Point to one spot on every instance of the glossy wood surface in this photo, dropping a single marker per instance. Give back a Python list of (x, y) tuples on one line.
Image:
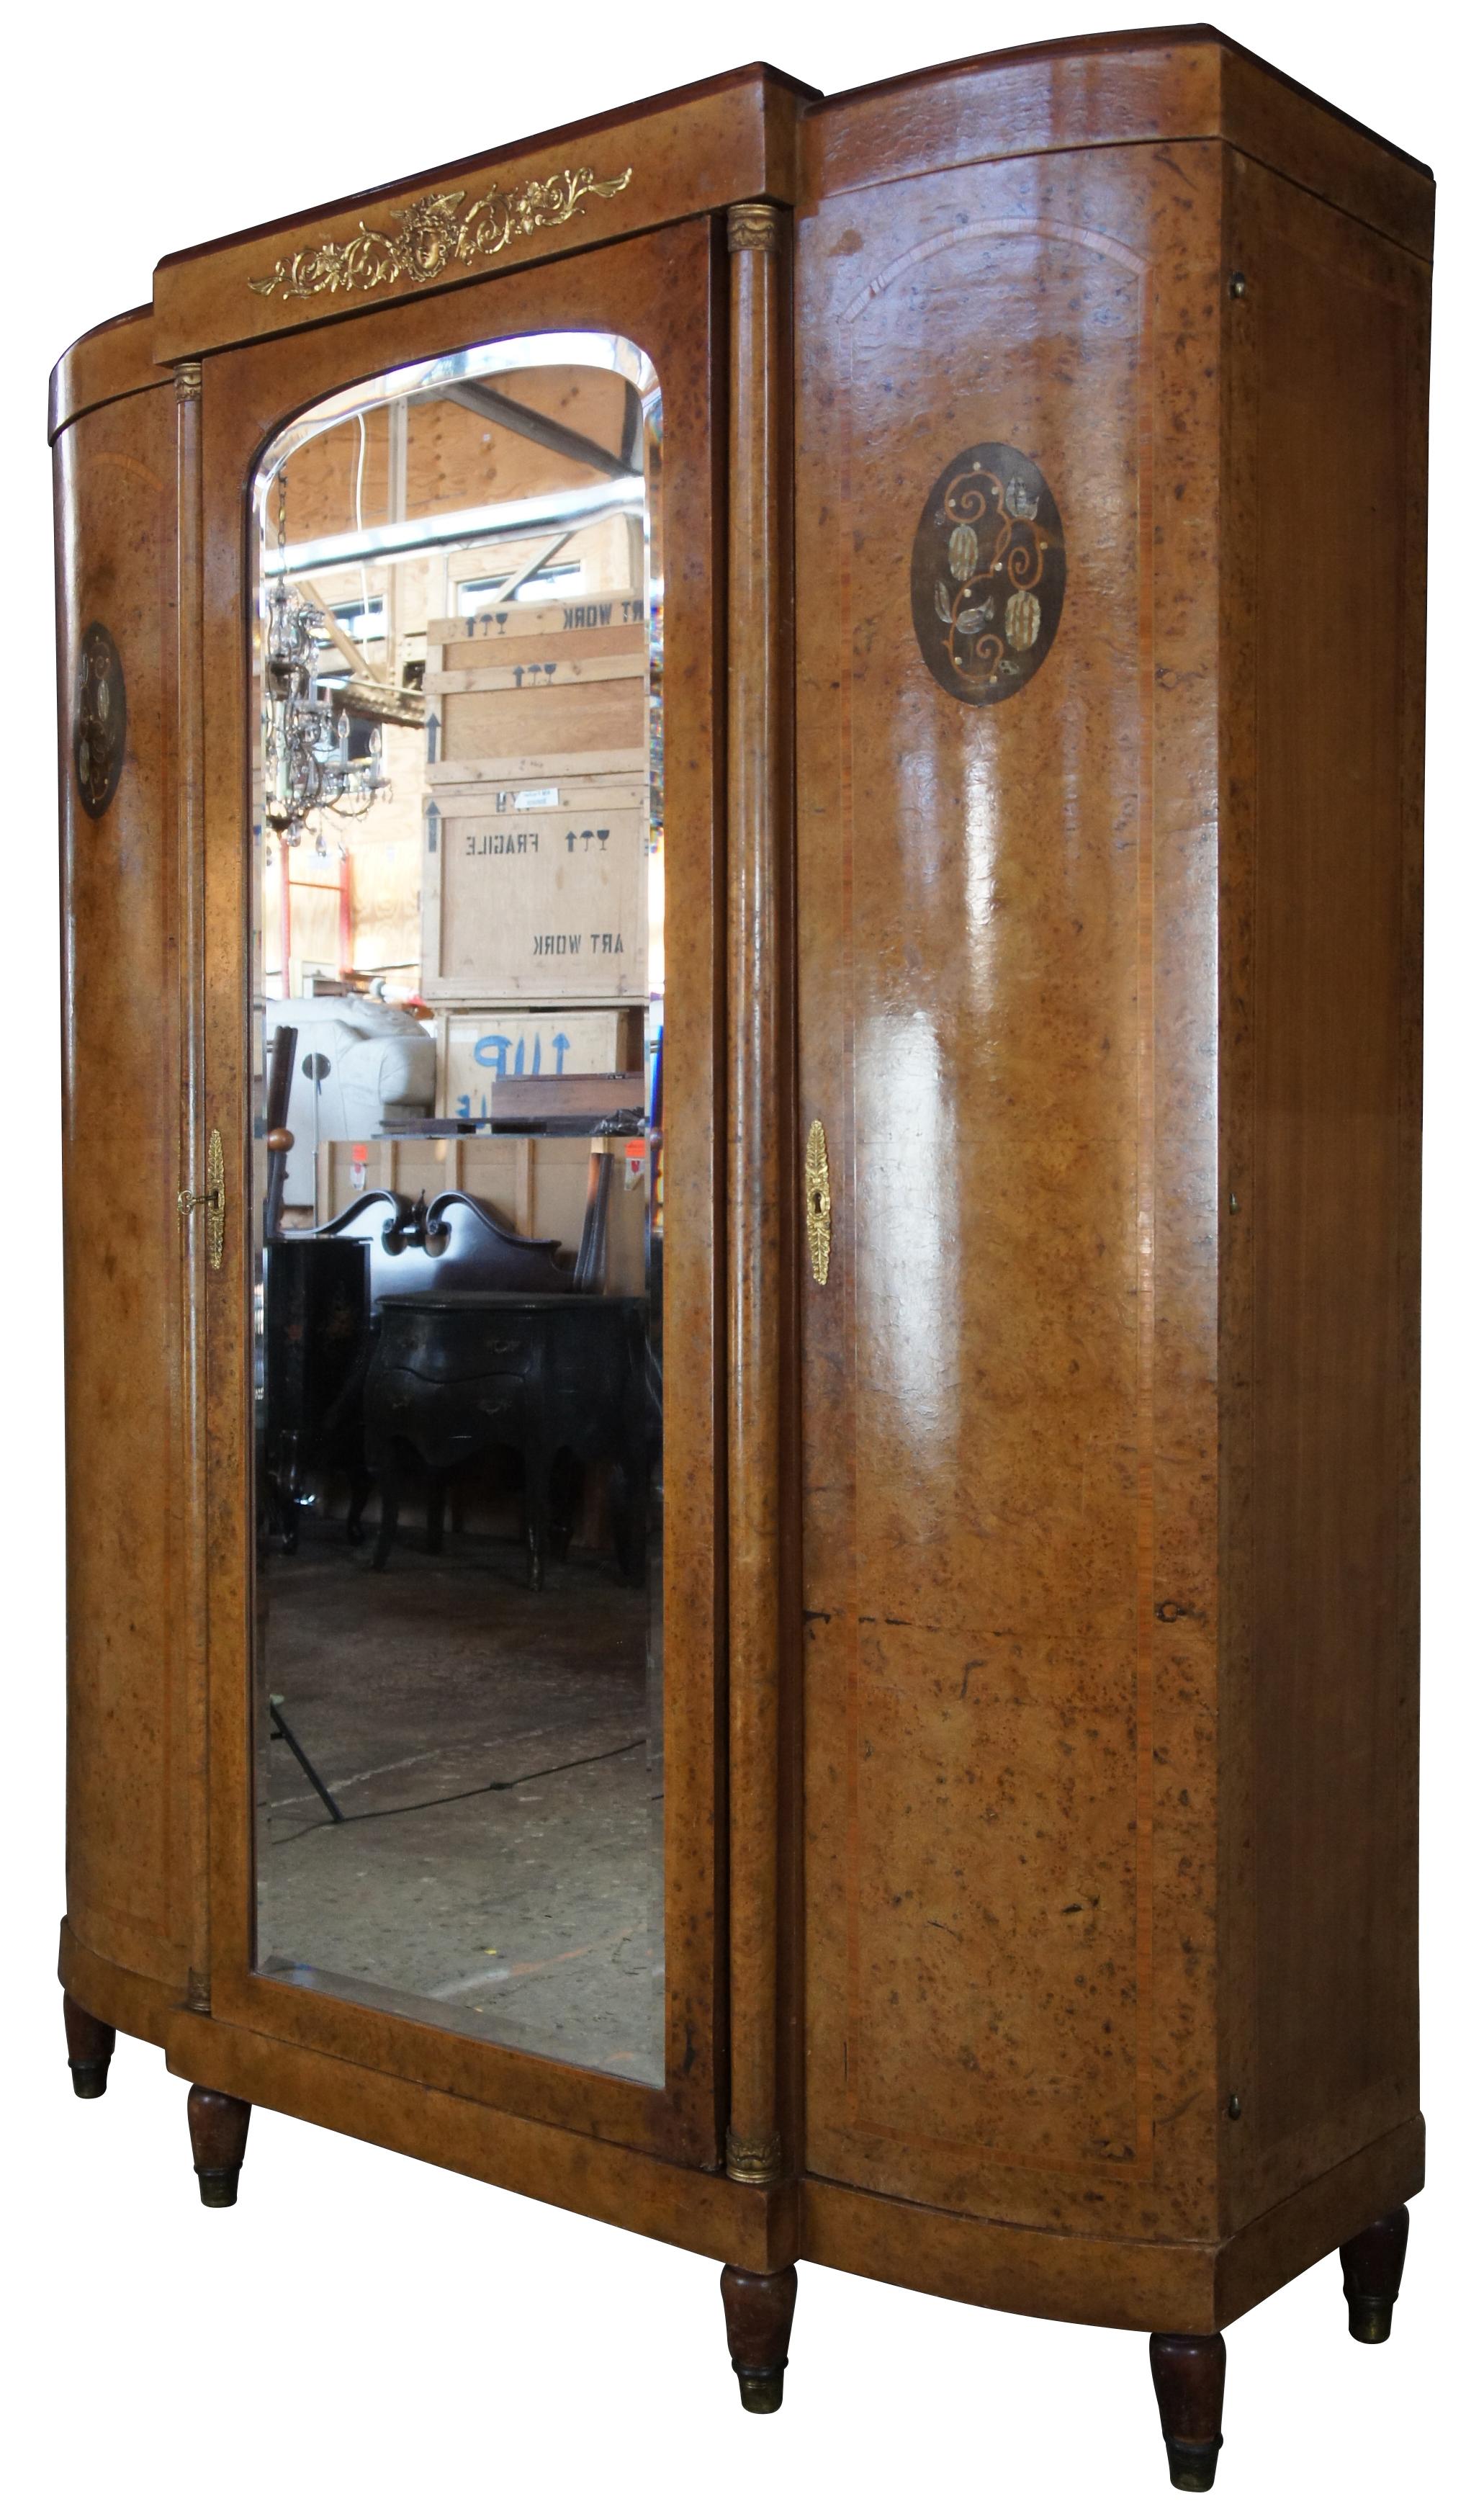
[(661, 292), (1129, 2282), (129, 1767), (89, 2049), (757, 133), (105, 364), (691, 2208), (1371, 2263), (1160, 85), (1007, 943), (1325, 361), (760, 1159), (1107, 997), (218, 2126), (760, 2312), (1189, 2373), (725, 139)]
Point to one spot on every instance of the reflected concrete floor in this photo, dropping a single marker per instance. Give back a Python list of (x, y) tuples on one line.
[(530, 1915)]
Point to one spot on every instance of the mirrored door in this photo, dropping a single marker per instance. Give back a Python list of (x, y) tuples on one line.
[(457, 1049)]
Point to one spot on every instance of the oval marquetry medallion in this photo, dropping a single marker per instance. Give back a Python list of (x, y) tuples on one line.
[(99, 720), (988, 573)]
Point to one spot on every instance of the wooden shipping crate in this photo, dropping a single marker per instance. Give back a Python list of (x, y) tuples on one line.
[(482, 1046), (541, 678), (536, 892), (544, 718), (521, 618)]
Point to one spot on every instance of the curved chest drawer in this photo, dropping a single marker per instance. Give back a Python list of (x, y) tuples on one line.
[(445, 1421)]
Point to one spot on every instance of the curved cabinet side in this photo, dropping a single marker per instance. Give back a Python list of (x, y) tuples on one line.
[(127, 1895)]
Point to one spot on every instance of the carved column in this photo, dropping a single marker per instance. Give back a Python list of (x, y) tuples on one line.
[(759, 1160), (191, 877)]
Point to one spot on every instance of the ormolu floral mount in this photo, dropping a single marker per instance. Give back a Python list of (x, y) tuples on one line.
[(433, 233)]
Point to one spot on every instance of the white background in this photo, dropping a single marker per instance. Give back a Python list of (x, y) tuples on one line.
[(366, 2328)]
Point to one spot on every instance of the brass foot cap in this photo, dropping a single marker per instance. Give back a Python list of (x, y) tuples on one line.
[(762, 2390), (1370, 2320), (1192, 2463), (218, 2187), (90, 2082)]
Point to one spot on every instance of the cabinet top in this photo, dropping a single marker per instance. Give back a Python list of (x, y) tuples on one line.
[(750, 133)]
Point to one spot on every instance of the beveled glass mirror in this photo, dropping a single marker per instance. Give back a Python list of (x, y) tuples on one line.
[(457, 1035)]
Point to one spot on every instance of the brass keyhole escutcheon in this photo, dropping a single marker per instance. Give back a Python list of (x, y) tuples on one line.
[(817, 1201), (214, 1201)]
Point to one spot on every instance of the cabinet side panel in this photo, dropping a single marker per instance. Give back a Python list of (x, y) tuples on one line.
[(115, 484), (1330, 338)]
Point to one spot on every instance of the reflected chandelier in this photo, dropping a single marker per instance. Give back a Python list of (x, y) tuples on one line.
[(307, 762)]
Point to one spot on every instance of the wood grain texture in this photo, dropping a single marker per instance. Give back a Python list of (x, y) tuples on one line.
[(688, 2207), (658, 291), (1326, 357), (89, 2049), (1189, 2373), (760, 1160), (123, 1996), (104, 365), (1138, 2283), (218, 2124), (759, 2313), (1317, 2217), (1007, 943), (128, 1773), (1104, 1571), (1180, 2286), (191, 1157), (1162, 84), (692, 152)]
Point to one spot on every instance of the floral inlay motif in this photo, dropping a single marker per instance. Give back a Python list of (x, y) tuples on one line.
[(988, 573)]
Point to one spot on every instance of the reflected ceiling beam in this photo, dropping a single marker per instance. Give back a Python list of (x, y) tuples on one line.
[(519, 518), (549, 432)]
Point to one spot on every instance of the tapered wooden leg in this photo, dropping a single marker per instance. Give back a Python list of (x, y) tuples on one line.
[(760, 2311), (1189, 2377), (90, 2046), (1371, 2263), (218, 2139)]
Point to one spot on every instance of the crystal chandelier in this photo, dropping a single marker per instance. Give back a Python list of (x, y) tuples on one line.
[(307, 762)]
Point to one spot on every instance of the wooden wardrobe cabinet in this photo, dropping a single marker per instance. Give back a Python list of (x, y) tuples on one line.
[(1043, 556)]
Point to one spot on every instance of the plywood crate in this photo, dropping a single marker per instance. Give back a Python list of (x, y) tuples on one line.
[(481, 1046), (599, 614), (541, 680), (536, 892)]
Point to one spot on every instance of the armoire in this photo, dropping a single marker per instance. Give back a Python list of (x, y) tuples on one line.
[(856, 664)]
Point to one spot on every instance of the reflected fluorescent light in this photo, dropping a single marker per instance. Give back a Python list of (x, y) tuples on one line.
[(602, 351), (518, 518)]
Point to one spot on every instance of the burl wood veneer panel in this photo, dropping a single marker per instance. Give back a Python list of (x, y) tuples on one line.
[(113, 358), (674, 157), (1007, 1023), (661, 291), (1323, 1070), (1168, 85), (125, 1597)]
